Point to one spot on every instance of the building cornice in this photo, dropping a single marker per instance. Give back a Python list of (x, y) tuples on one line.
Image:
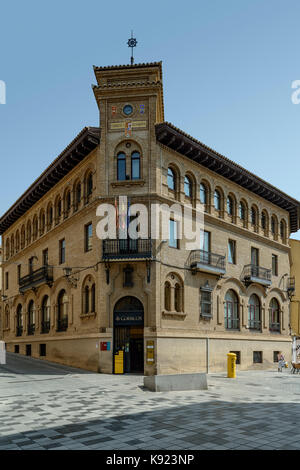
[(85, 142), (177, 140)]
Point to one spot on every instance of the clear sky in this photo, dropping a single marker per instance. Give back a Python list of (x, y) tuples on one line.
[(228, 71)]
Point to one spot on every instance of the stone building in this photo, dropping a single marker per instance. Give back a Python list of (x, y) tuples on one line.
[(73, 298), (295, 297)]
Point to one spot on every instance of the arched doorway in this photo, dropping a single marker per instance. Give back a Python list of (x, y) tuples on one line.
[(129, 333)]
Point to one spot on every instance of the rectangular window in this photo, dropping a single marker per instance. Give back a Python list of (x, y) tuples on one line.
[(254, 257), (17, 348), (275, 356), (275, 265), (19, 272), (257, 357), (173, 240), (238, 356), (30, 265), (205, 303), (88, 233), (28, 349), (45, 257), (42, 349), (6, 281), (205, 241), (232, 251), (62, 251)]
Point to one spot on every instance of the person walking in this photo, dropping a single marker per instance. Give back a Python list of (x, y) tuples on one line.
[(281, 361)]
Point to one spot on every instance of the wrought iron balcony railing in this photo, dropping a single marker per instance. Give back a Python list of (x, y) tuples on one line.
[(127, 249), (62, 324), (45, 327), (31, 329), (275, 326), (232, 323), (43, 275), (253, 273), (19, 330), (206, 261), (254, 325)]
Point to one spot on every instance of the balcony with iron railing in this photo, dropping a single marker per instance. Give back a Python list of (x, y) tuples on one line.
[(43, 275), (254, 325), (19, 330), (253, 273), (62, 324), (45, 327), (275, 327), (31, 329), (126, 249), (205, 261)]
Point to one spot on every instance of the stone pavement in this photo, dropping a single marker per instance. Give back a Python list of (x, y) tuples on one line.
[(48, 406)]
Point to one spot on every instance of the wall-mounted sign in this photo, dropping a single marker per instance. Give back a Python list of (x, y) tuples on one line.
[(150, 352), (127, 125), (128, 318)]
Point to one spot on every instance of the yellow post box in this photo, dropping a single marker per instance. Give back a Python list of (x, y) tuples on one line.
[(231, 365), (119, 362)]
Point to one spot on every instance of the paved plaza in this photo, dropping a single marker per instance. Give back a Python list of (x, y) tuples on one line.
[(48, 406)]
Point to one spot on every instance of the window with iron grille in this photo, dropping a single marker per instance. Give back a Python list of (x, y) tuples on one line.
[(206, 302), (257, 357), (238, 356), (275, 356)]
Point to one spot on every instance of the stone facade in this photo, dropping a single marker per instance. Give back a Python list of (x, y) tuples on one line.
[(65, 294)]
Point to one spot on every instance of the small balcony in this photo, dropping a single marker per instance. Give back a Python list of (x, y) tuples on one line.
[(127, 249), (62, 324), (275, 327), (254, 325), (43, 275), (207, 262), (19, 330), (257, 274), (31, 329), (45, 327)]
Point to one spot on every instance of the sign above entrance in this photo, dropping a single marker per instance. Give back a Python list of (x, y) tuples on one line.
[(128, 318)]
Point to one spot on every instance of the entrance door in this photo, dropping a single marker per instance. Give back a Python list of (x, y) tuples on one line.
[(129, 333)]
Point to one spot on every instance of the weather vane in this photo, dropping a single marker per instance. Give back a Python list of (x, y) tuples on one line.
[(132, 42)]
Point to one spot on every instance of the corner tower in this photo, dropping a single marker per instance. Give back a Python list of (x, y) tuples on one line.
[(130, 101)]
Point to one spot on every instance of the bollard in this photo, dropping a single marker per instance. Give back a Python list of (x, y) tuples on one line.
[(231, 365)]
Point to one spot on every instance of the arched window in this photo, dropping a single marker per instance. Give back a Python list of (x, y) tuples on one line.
[(89, 187), (254, 313), (187, 186), (7, 249), (263, 221), (253, 216), (230, 206), (12, 245), (31, 318), (167, 296), (242, 211), (19, 331), (17, 241), (177, 298), (86, 299), (49, 216), (23, 237), (203, 194), (274, 311), (58, 210), (35, 228), (93, 298), (171, 179), (283, 231), (274, 226), (77, 195), (42, 222), (135, 165), (67, 203), (121, 167), (28, 233), (217, 200), (62, 311), (45, 326), (231, 313)]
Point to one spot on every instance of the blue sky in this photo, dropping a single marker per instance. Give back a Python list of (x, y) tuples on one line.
[(228, 69)]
